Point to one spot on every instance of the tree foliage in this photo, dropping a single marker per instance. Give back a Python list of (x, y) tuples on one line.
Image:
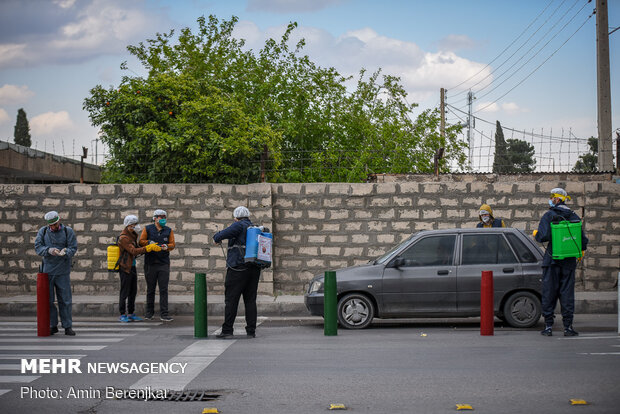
[(22, 129), (512, 156), (212, 111), (588, 162)]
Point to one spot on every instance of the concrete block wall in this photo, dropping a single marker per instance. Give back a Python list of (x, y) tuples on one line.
[(316, 226)]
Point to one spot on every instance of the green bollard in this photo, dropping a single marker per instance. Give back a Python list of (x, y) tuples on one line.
[(200, 306), (330, 304)]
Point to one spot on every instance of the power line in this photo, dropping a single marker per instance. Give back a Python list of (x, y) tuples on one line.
[(505, 49), (537, 67)]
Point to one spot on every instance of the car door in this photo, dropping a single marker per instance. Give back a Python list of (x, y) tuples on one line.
[(480, 252), (425, 280)]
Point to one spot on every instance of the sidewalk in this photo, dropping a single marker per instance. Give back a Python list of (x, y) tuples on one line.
[(85, 305), (284, 305)]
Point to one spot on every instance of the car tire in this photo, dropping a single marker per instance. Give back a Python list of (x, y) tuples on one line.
[(522, 310), (355, 311)]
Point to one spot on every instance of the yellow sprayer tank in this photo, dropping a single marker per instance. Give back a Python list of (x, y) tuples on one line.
[(113, 254)]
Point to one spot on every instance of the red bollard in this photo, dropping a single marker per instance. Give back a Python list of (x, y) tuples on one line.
[(486, 304), (43, 305)]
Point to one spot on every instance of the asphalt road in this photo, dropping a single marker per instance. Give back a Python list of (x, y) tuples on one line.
[(415, 366)]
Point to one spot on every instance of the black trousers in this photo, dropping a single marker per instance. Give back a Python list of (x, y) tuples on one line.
[(129, 289), (559, 283), (238, 283), (157, 275)]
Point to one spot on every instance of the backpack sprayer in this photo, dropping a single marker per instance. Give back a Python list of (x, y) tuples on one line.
[(258, 244), (565, 238)]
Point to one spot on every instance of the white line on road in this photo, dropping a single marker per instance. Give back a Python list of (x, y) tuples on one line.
[(10, 367), (51, 347), (34, 335), (589, 337), (80, 329), (197, 356), (599, 353), (18, 378), (2, 392), (94, 323), (30, 356), (52, 339)]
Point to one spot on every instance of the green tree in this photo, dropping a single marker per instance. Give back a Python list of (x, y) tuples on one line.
[(22, 129), (520, 156), (210, 111), (500, 162), (588, 162)]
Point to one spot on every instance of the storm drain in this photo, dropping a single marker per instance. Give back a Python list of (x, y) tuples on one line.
[(180, 396)]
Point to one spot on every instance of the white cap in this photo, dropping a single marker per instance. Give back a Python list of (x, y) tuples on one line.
[(51, 217), (159, 212), (241, 212), (129, 220)]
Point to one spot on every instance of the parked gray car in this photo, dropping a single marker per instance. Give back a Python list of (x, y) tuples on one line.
[(437, 273)]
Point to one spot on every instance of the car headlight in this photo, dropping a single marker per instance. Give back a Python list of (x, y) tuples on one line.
[(315, 286)]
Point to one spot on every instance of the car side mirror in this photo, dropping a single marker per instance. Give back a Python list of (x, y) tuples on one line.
[(399, 262)]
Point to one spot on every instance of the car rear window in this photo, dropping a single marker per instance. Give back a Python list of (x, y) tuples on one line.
[(486, 249), (525, 255)]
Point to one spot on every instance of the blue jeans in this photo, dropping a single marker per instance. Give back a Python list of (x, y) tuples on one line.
[(62, 285)]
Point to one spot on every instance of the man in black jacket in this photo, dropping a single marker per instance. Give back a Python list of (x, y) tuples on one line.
[(241, 278), (558, 275)]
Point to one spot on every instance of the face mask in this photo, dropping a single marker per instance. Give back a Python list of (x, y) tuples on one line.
[(137, 228), (551, 203), (486, 219), (162, 222)]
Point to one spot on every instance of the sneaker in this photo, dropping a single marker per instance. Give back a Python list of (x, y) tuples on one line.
[(69, 331), (224, 335), (53, 330), (251, 335), (123, 318), (546, 331), (134, 318), (166, 318), (570, 331), (148, 317)]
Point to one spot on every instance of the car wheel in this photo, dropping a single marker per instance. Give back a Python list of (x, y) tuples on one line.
[(522, 310), (355, 311)]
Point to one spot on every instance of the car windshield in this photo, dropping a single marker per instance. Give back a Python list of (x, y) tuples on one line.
[(383, 258)]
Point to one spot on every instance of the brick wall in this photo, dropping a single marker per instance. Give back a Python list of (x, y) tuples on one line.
[(316, 226)]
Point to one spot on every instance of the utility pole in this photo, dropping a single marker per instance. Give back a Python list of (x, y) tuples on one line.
[(470, 124), (605, 154), (442, 106)]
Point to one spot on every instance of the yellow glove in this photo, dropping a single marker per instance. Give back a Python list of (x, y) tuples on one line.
[(579, 259), (535, 232), (152, 248)]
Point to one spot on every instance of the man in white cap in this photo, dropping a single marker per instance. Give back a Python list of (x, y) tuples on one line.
[(558, 275), (57, 244), (241, 278), (157, 264)]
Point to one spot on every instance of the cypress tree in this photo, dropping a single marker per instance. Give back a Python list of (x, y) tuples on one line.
[(22, 129), (500, 162)]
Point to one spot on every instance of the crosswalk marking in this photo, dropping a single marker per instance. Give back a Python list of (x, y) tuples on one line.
[(197, 356), (573, 338), (18, 378), (48, 339), (21, 336), (51, 347)]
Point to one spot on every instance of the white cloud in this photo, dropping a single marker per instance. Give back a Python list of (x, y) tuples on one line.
[(290, 6), (14, 95), (94, 28), (455, 42), (508, 108), (4, 116), (487, 107), (51, 123)]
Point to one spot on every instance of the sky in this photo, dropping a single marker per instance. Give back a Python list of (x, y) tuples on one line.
[(531, 64)]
